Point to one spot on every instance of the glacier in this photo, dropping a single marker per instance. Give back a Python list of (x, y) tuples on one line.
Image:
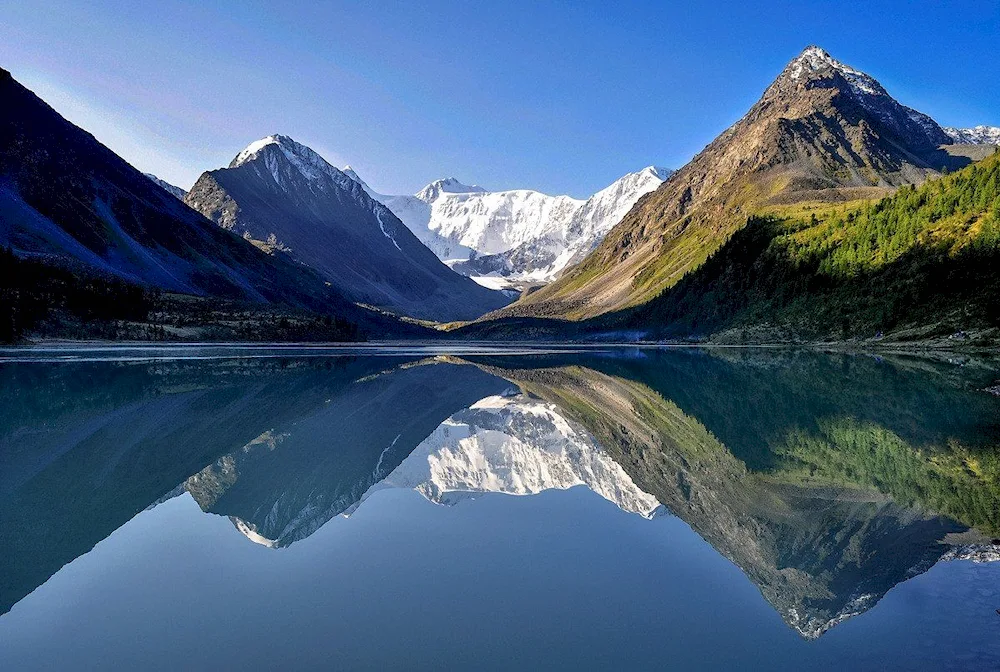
[(512, 237)]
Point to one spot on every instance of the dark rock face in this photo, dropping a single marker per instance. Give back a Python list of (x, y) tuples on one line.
[(287, 198), (821, 131), (69, 199)]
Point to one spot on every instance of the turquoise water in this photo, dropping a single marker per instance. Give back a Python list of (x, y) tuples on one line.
[(207, 508)]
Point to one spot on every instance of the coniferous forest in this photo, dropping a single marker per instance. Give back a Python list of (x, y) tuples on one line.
[(925, 256)]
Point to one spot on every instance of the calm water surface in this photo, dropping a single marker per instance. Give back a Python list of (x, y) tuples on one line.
[(465, 507)]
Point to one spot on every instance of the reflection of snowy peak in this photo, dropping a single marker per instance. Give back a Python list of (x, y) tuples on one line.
[(520, 234), (515, 446)]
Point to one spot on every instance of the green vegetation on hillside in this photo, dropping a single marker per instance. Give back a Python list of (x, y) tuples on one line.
[(955, 480), (925, 256), (38, 299)]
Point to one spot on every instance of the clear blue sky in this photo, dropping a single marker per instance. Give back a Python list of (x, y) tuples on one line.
[(559, 96)]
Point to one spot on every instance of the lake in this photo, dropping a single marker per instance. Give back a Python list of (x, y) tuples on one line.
[(489, 507)]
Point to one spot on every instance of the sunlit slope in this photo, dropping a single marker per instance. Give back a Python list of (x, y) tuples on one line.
[(821, 131), (925, 257)]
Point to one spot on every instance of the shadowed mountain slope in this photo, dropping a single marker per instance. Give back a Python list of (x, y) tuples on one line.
[(287, 199), (67, 199)]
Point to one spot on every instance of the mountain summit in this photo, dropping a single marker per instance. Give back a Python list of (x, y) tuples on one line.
[(821, 131), (67, 199), (816, 68), (284, 196)]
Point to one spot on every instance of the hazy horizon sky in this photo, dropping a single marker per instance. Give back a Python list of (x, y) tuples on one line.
[(564, 97)]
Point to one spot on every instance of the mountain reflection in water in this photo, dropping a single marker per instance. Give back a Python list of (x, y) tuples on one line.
[(827, 479)]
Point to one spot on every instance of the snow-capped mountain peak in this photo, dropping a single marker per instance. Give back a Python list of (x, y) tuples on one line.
[(447, 185), (351, 173), (519, 235), (815, 60), (978, 135), (816, 68), (306, 161), (283, 195), (252, 150)]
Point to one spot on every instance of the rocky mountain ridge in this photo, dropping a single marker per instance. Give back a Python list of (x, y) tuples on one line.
[(285, 197), (174, 191), (68, 200), (821, 131), (977, 135)]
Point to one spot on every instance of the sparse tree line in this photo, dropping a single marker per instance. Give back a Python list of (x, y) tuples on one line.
[(41, 299)]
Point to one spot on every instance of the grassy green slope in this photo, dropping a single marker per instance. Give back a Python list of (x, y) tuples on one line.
[(926, 256)]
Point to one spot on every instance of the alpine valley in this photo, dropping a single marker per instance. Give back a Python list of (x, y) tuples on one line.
[(265, 410), (775, 232), (820, 175), (287, 199)]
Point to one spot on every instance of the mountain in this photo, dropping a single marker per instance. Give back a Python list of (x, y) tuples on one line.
[(518, 236), (176, 192), (822, 131), (564, 243), (66, 198), (285, 197), (979, 135), (923, 263), (457, 220)]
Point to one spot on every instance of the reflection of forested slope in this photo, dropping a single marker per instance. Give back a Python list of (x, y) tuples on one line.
[(87, 446), (750, 399), (288, 483), (954, 480), (920, 431), (819, 552)]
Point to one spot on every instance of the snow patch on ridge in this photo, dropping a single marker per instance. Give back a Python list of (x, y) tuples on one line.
[(816, 59), (540, 235), (978, 135), (381, 225), (306, 161), (174, 191)]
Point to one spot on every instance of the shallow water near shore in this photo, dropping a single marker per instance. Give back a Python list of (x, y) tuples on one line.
[(398, 506)]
